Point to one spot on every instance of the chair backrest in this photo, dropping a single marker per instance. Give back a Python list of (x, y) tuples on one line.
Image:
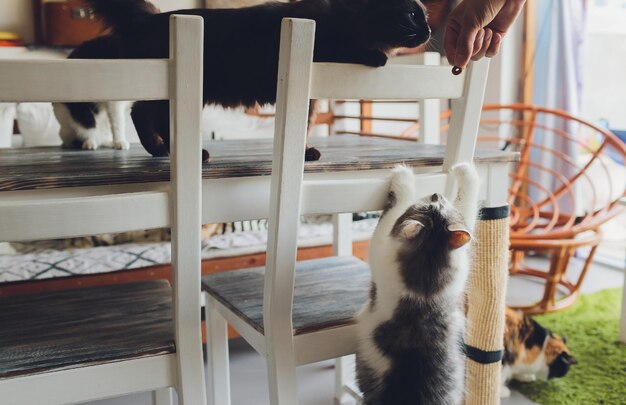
[(429, 109), (299, 79), (177, 79)]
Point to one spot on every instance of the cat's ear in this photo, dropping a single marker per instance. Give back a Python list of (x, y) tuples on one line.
[(459, 236), (410, 228)]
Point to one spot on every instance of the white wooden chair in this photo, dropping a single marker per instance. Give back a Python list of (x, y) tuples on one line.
[(298, 313), (81, 345)]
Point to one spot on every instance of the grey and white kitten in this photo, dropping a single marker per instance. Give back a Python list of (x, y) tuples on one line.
[(410, 333)]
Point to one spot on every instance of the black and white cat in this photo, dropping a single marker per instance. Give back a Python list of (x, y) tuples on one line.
[(241, 48), (104, 125), (410, 333)]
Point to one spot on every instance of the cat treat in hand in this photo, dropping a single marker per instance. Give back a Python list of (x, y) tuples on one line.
[(456, 70)]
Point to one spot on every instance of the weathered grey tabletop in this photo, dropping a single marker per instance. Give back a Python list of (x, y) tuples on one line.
[(54, 167)]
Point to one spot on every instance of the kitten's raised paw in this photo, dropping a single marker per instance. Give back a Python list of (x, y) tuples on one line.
[(312, 155), (401, 174), (403, 183), (121, 145), (505, 392), (90, 144), (465, 172)]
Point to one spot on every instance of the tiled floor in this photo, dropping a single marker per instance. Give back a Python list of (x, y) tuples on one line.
[(316, 380)]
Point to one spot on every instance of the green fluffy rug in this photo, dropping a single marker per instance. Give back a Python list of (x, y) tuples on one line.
[(591, 328)]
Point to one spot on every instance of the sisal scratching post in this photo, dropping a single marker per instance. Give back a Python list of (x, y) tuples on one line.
[(486, 307)]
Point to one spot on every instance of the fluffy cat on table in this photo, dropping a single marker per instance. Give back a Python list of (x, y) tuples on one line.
[(241, 49)]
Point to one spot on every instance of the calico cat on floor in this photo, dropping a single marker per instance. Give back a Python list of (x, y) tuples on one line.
[(240, 54), (410, 333), (531, 351)]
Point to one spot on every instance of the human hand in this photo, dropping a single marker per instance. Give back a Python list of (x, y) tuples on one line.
[(475, 29)]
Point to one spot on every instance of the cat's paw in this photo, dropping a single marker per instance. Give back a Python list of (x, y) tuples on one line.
[(122, 144), (312, 155), (402, 183), (401, 174), (465, 172), (505, 392), (90, 144), (376, 59)]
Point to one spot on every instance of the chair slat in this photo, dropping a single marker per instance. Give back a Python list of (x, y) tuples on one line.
[(394, 82), (84, 80)]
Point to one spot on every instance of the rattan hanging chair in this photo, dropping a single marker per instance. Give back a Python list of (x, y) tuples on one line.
[(568, 183)]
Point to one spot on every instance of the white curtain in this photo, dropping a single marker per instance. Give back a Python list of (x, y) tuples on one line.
[(558, 84)]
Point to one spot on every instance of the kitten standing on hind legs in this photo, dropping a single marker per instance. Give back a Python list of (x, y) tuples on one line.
[(410, 333)]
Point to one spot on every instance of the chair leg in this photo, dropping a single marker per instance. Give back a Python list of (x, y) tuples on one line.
[(281, 373), (344, 376), (164, 396), (517, 260), (218, 373), (558, 265)]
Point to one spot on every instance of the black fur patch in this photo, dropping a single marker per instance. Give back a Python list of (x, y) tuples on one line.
[(369, 383), (415, 342), (424, 260), (559, 367), (373, 296), (536, 335), (312, 154), (84, 113)]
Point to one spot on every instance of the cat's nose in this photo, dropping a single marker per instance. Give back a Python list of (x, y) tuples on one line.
[(434, 197)]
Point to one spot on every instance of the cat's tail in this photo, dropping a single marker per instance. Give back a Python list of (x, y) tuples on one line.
[(121, 15), (466, 200)]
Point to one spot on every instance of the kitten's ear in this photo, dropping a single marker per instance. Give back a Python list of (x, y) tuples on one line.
[(459, 236), (410, 228)]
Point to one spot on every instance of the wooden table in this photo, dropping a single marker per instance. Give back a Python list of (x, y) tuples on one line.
[(46, 168), (63, 190), (72, 183)]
